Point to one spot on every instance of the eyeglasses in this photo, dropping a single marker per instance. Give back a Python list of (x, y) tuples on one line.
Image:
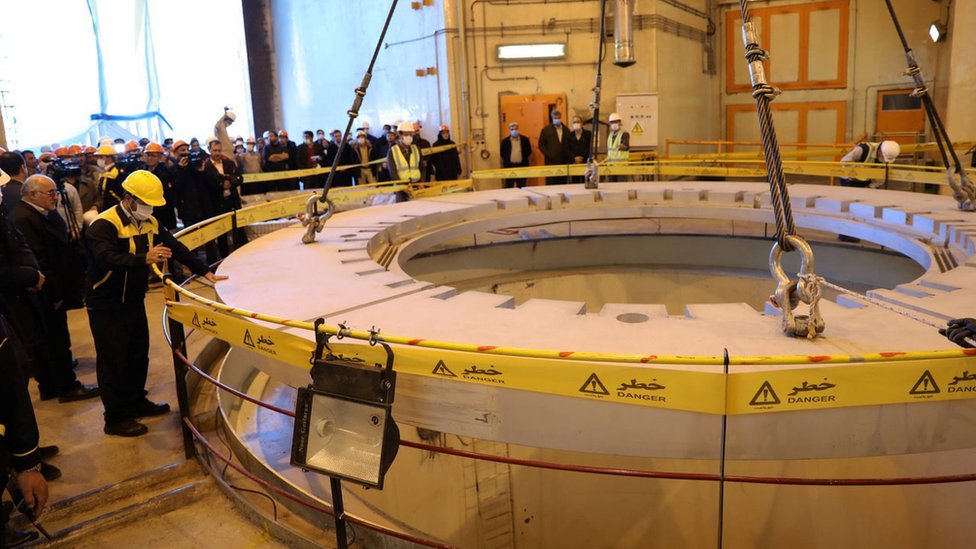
[(52, 193)]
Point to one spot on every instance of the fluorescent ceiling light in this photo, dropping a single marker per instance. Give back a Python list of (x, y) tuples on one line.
[(531, 51)]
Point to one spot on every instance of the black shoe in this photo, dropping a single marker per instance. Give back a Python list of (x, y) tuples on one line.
[(81, 392), (148, 408), (126, 428), (45, 453), (50, 472), (18, 537)]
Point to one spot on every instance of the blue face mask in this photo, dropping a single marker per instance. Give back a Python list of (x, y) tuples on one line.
[(514, 133), (556, 122)]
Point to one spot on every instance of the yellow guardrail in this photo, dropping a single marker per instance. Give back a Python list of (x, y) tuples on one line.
[(732, 168), (810, 382)]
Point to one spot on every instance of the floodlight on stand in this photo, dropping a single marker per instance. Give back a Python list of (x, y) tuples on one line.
[(343, 422), (937, 31)]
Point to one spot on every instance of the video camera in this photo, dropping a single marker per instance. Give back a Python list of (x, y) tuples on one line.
[(59, 168), (196, 157), (131, 163)]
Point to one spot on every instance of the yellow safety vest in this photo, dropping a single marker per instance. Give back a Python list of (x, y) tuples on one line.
[(614, 154), (409, 170)]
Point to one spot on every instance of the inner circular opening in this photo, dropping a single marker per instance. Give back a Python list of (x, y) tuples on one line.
[(671, 270)]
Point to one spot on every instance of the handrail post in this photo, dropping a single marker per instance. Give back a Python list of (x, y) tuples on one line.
[(178, 346)]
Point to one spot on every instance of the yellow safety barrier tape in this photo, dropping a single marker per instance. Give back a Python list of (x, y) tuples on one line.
[(299, 174), (808, 151), (751, 169), (780, 390)]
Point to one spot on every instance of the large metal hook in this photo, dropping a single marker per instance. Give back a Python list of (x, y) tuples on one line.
[(789, 293)]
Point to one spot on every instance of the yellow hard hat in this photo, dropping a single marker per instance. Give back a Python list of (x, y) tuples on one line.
[(105, 150), (145, 186)]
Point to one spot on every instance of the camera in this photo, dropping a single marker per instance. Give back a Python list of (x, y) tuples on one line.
[(60, 168), (196, 157), (131, 163)]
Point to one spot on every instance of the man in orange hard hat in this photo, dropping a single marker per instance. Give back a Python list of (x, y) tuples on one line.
[(122, 244)]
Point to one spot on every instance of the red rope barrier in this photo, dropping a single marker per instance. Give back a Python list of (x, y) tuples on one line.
[(637, 473), (311, 505)]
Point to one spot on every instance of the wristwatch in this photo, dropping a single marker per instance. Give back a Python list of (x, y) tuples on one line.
[(36, 469)]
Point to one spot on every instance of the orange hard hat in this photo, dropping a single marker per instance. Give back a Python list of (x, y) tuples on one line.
[(89, 150), (74, 150), (444, 128), (46, 157), (283, 133), (61, 152), (154, 148), (131, 146), (179, 144)]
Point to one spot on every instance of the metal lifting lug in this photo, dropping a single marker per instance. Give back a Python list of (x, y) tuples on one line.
[(789, 293), (313, 220)]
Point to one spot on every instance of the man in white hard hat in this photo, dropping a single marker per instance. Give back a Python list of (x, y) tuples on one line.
[(618, 144), (404, 161), (884, 152)]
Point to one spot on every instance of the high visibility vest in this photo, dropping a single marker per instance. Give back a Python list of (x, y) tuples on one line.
[(614, 154), (407, 169)]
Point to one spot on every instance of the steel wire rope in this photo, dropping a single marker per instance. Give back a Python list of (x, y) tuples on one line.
[(314, 224), (624, 472), (764, 94)]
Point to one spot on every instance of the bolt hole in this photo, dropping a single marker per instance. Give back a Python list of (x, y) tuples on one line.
[(633, 318)]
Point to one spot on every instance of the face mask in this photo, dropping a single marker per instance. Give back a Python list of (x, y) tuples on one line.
[(142, 212), (514, 133), (361, 140), (308, 141), (577, 126), (407, 140), (556, 121), (320, 136), (102, 163), (615, 126)]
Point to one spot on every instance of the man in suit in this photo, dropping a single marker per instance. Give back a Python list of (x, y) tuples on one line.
[(223, 180), (578, 146), (515, 150), (12, 163), (552, 145), (47, 236)]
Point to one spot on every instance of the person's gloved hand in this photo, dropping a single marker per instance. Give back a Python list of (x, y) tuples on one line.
[(958, 330)]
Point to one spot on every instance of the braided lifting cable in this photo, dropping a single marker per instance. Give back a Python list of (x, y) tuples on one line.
[(764, 95), (314, 221), (789, 293), (963, 190)]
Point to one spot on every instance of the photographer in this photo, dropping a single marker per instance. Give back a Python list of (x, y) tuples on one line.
[(195, 201), (66, 171), (152, 159), (223, 180)]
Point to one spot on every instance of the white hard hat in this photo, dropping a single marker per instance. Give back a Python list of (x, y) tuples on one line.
[(406, 126), (212, 139), (230, 115), (889, 151), (614, 117)]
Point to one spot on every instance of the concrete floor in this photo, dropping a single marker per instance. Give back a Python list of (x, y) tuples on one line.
[(91, 460)]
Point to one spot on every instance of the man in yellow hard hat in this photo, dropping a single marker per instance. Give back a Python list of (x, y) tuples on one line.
[(122, 244)]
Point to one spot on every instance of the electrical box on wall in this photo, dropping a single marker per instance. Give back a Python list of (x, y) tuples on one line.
[(638, 112)]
